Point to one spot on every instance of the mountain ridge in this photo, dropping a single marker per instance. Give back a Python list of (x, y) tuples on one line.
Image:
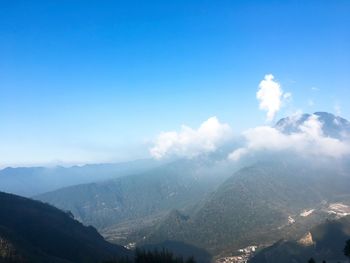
[(328, 243), (31, 231), (30, 181), (254, 204)]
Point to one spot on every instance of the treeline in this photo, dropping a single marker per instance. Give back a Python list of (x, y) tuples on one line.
[(155, 256), (346, 252)]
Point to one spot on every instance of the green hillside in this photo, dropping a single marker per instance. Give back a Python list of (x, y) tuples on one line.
[(253, 207), (173, 186)]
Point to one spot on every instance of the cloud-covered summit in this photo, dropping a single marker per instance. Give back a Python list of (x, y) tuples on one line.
[(306, 135), (318, 134), (332, 126)]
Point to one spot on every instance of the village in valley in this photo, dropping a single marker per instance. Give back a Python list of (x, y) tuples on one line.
[(244, 255)]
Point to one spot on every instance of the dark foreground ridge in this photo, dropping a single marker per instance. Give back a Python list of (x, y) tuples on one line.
[(31, 231)]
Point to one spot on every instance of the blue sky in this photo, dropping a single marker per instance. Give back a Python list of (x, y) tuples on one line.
[(94, 81)]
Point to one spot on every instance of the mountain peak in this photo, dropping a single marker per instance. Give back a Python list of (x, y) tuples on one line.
[(324, 113), (332, 126)]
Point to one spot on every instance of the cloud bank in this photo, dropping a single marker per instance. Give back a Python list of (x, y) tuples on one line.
[(270, 96), (305, 137), (309, 140), (190, 142)]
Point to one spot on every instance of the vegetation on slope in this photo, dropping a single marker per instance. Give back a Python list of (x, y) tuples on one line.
[(155, 256), (253, 206), (328, 239), (31, 231), (105, 204)]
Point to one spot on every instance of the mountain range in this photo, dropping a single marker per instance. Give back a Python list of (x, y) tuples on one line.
[(255, 206), (30, 181), (177, 185), (211, 206)]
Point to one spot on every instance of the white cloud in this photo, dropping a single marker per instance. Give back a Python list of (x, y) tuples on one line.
[(190, 142), (270, 96), (309, 141)]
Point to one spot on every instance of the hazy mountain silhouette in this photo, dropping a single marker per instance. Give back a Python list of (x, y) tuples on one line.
[(29, 181)]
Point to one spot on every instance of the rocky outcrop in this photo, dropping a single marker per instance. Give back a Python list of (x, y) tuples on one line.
[(306, 240)]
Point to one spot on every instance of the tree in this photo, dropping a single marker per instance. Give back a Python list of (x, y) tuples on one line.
[(155, 256), (347, 249), (311, 260), (190, 260)]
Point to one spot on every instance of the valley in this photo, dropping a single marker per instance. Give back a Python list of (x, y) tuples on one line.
[(213, 209)]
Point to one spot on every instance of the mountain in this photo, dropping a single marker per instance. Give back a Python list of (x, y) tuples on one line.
[(326, 242), (332, 126), (256, 206), (31, 231), (176, 185), (29, 181), (264, 202)]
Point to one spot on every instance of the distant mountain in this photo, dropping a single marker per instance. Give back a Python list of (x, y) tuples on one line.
[(31, 231), (332, 126), (256, 206), (179, 184), (325, 242), (29, 181)]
